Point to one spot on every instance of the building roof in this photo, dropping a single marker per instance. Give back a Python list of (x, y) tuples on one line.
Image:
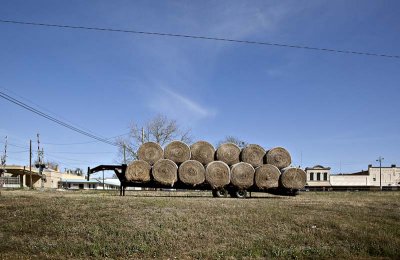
[(318, 167), (81, 181)]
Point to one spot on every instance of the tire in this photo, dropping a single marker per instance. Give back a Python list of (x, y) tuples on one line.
[(220, 193), (240, 194)]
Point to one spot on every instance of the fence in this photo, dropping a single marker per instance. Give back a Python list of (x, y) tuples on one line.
[(9, 182)]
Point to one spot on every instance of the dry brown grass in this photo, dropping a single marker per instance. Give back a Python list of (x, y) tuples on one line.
[(69, 224)]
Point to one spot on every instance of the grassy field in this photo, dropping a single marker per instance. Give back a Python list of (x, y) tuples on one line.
[(37, 224)]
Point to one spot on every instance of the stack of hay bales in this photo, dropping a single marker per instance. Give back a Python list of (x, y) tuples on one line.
[(200, 164)]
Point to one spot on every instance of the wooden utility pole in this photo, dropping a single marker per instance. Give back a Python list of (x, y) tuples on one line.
[(124, 153), (30, 163)]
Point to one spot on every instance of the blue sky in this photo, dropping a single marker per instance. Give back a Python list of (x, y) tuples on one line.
[(332, 109)]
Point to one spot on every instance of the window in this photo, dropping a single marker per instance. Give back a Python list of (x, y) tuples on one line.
[(325, 176), (318, 176), (311, 176)]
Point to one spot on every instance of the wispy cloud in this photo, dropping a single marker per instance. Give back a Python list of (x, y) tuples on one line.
[(178, 106)]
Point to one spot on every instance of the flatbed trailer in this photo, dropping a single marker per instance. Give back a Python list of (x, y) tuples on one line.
[(120, 170)]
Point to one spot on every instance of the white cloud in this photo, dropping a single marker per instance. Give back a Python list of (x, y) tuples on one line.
[(180, 107)]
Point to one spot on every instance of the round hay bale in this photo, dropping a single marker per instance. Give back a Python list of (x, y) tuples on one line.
[(279, 157), (242, 175), (138, 171), (203, 152), (217, 174), (229, 153), (293, 178), (150, 152), (267, 176), (165, 172), (177, 152), (253, 154), (192, 172)]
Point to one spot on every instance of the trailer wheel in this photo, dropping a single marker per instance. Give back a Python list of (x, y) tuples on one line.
[(220, 193), (240, 194)]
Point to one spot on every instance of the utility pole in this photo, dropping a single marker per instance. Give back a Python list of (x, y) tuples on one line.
[(103, 180), (380, 159), (30, 163), (4, 158), (124, 153)]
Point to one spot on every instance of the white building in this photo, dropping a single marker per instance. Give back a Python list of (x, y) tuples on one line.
[(370, 178), (91, 184), (318, 177)]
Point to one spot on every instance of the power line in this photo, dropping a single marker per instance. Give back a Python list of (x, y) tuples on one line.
[(27, 107), (44, 109), (204, 38), (89, 142)]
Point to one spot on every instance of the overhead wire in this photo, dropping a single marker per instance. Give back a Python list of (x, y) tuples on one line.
[(199, 37), (27, 107)]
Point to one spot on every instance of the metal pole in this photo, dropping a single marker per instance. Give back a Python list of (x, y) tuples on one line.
[(30, 163), (380, 159), (103, 179)]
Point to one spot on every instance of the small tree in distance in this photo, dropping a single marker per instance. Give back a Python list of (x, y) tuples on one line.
[(159, 129), (233, 139)]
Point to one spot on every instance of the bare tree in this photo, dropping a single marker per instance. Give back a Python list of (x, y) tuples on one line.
[(233, 139), (50, 165), (159, 129)]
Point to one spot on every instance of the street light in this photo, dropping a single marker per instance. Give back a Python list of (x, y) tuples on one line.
[(380, 159)]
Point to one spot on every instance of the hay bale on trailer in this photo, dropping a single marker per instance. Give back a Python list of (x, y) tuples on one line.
[(279, 157), (217, 174), (229, 153), (177, 152), (138, 171), (150, 152), (267, 176), (203, 152), (192, 172), (165, 172), (242, 175), (253, 154), (293, 178)]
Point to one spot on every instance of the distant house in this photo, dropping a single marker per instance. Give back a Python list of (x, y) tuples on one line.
[(91, 184), (318, 177)]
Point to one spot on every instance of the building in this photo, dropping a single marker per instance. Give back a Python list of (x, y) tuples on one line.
[(318, 177), (91, 184)]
